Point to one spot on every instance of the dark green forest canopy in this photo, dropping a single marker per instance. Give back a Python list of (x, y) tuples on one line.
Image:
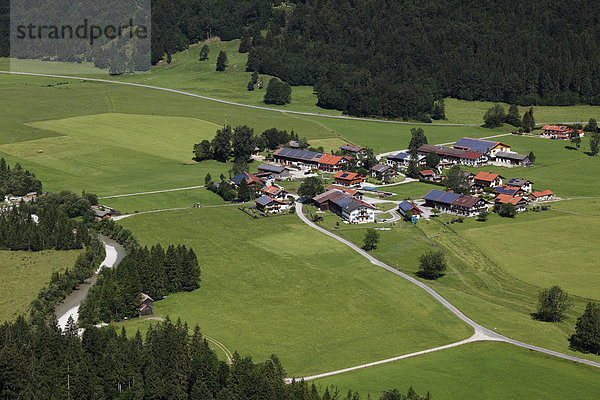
[(393, 58)]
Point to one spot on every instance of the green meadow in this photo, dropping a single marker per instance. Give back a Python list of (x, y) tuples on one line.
[(23, 274), (472, 112), (496, 271), (275, 285), (480, 370), (160, 201)]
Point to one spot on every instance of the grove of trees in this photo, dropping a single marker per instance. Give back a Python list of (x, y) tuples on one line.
[(152, 271)]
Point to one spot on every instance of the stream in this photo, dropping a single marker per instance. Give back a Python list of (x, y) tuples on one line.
[(69, 307)]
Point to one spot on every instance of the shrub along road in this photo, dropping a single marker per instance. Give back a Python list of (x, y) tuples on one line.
[(481, 333)]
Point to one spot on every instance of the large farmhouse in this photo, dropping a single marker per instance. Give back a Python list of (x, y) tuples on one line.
[(454, 203), (487, 147), (451, 156), (305, 159), (561, 132), (347, 207)]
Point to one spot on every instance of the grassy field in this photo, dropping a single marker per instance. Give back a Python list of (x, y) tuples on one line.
[(562, 253), (488, 282), (471, 112), (589, 207), (481, 370), (160, 201), (23, 274), (274, 285)]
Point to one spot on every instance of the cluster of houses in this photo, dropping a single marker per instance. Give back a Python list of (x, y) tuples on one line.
[(561, 132), (14, 200), (515, 191), (466, 151), (273, 197)]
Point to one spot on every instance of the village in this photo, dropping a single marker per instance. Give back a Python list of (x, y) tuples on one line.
[(355, 198)]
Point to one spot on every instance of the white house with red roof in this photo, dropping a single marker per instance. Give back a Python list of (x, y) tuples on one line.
[(488, 179), (348, 179), (541, 196)]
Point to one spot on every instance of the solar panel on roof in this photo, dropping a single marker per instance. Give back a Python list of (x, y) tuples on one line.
[(433, 195), (448, 198)]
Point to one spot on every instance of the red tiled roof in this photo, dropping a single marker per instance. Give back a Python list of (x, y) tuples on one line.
[(471, 155), (505, 198), (345, 175), (330, 159), (541, 194), (272, 190), (486, 176), (426, 172)]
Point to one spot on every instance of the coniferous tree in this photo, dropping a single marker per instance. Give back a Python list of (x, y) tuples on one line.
[(587, 330), (494, 117), (513, 118), (222, 61), (245, 44), (417, 139)]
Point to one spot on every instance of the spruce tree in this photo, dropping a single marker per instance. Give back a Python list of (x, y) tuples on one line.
[(222, 61), (513, 118)]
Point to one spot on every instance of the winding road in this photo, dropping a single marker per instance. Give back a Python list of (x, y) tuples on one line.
[(481, 332)]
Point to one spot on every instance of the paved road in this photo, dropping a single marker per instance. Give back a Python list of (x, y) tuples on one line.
[(151, 192), (477, 336), (491, 335)]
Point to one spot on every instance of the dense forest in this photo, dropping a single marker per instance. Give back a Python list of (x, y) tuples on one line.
[(39, 362), (153, 271), (395, 58), (17, 181)]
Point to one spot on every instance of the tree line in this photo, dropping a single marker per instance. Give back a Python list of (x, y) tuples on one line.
[(37, 361), (53, 229), (239, 143), (153, 271), (398, 58)]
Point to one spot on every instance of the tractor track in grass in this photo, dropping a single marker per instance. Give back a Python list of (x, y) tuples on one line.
[(481, 333)]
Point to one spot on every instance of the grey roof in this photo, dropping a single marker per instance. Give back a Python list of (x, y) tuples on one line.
[(271, 168), (511, 156), (404, 156), (239, 177), (518, 182), (349, 204), (264, 200), (478, 145), (297, 154)]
